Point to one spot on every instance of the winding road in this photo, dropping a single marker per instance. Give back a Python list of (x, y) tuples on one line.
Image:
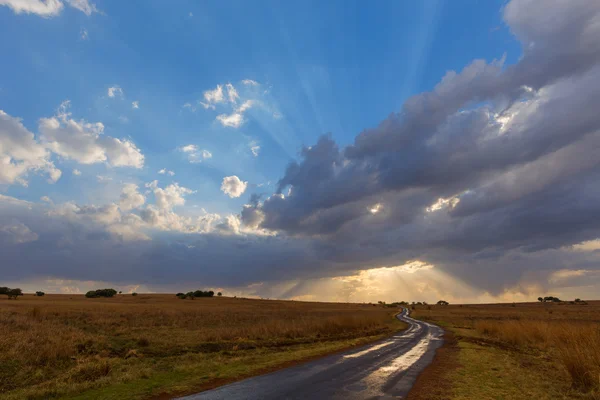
[(386, 369)]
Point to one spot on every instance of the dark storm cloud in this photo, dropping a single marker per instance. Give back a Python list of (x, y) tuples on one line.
[(512, 151)]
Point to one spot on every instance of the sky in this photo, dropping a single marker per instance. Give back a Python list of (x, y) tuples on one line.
[(338, 151)]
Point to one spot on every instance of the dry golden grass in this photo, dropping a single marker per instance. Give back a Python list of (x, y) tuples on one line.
[(569, 334), (59, 345)]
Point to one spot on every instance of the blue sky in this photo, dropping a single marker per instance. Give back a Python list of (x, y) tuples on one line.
[(338, 67), (336, 150)]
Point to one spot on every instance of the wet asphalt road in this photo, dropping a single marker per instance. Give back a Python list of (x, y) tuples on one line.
[(386, 369)]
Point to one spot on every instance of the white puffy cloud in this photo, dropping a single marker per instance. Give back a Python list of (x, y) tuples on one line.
[(131, 198), (46, 9), (234, 120), (85, 142), (212, 97), (233, 186), (228, 98), (170, 196), (165, 171), (115, 91), (195, 154), (76, 172), (135, 104), (21, 153)]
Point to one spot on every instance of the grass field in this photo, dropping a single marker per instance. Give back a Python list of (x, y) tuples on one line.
[(150, 346), (516, 351)]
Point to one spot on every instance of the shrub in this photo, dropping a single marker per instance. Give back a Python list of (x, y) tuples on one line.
[(134, 294), (14, 293), (442, 303), (219, 294), (39, 293), (101, 293), (11, 293)]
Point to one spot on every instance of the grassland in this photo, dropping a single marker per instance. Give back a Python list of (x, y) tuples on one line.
[(154, 346), (515, 351)]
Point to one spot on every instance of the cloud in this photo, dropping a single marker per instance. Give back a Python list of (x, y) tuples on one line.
[(254, 148), (21, 154), (85, 142), (103, 178), (85, 6), (169, 197), (485, 187), (233, 186), (487, 163), (83, 34), (135, 105), (166, 171), (131, 198), (195, 154), (16, 233), (228, 97), (234, 120), (76, 172), (232, 94), (46, 9), (115, 91), (212, 97)]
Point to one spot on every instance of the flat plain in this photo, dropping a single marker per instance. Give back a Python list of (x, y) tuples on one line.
[(157, 346), (514, 351)]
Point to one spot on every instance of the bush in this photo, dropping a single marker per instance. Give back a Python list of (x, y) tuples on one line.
[(197, 293), (134, 294), (13, 293), (39, 294), (219, 294), (101, 293)]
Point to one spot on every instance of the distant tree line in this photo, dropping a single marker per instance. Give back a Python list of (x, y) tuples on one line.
[(197, 293), (552, 299), (406, 303), (549, 299), (101, 293), (11, 293)]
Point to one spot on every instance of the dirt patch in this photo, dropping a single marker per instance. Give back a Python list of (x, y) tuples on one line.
[(434, 381)]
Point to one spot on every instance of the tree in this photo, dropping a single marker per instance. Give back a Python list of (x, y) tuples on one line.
[(13, 293), (120, 292), (577, 300), (101, 293), (219, 294), (134, 294), (39, 293), (4, 290), (442, 303), (540, 299)]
